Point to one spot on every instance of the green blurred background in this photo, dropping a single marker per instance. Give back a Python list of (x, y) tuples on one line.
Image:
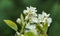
[(11, 9)]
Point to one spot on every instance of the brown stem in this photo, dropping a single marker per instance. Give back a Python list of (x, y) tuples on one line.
[(45, 34)]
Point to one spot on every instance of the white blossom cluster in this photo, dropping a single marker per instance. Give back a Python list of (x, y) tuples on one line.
[(33, 18)]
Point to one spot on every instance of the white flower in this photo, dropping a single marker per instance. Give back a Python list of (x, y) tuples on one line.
[(47, 18), (29, 16), (30, 10), (34, 20), (40, 18), (44, 17), (18, 20), (29, 26)]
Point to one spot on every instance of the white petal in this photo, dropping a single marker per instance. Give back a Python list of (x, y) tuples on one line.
[(28, 8), (32, 7), (40, 16), (43, 13), (48, 15), (25, 11), (49, 21), (34, 20), (18, 20), (32, 27), (27, 25), (34, 14), (27, 17)]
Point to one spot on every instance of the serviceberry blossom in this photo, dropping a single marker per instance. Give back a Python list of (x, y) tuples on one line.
[(31, 23), (30, 10), (44, 17), (32, 19)]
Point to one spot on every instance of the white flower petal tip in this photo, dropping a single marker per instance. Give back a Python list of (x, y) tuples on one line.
[(45, 14), (18, 20), (34, 20)]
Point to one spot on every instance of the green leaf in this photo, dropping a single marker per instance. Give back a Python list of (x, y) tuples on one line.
[(11, 24), (29, 34), (22, 19)]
